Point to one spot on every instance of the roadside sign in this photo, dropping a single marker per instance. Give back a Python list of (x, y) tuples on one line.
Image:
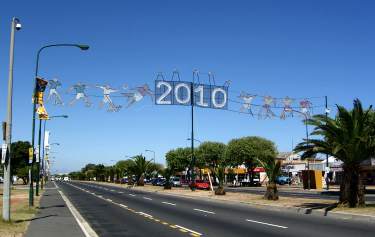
[(4, 151)]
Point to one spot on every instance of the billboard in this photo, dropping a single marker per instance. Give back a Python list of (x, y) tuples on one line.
[(188, 93)]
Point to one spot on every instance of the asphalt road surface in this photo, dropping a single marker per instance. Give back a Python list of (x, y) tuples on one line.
[(114, 211), (331, 195)]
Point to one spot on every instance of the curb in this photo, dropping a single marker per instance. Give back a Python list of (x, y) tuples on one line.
[(298, 210)]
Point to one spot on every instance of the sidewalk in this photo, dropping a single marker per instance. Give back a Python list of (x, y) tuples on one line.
[(54, 217)]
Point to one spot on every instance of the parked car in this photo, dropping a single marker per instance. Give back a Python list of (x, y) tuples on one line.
[(158, 182), (1, 180), (283, 180), (176, 182), (200, 184)]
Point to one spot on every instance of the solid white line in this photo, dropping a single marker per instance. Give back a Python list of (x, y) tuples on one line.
[(122, 205), (168, 203), (109, 200), (210, 212), (147, 198), (264, 223), (184, 228), (83, 224), (133, 195)]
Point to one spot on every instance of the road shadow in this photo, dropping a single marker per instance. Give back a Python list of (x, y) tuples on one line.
[(318, 206), (47, 207), (35, 218)]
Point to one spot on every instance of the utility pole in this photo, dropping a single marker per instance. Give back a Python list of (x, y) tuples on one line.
[(327, 164), (16, 25), (192, 177)]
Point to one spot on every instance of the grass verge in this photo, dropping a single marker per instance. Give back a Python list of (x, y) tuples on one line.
[(21, 214)]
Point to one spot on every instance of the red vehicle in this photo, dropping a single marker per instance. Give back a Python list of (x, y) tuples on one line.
[(200, 184)]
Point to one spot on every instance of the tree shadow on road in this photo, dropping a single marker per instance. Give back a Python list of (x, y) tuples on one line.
[(46, 207), (318, 206)]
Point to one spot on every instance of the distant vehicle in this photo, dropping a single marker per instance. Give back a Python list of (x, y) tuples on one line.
[(158, 182), (200, 184), (176, 182), (52, 178), (283, 180), (66, 179), (1, 180)]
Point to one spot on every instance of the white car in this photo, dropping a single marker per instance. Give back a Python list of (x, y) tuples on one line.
[(1, 180), (66, 179)]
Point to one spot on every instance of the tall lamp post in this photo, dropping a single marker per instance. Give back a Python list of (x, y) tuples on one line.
[(307, 142), (16, 25), (31, 194), (153, 153), (44, 148)]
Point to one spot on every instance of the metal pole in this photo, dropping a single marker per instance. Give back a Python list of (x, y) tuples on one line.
[(308, 161), (327, 164), (192, 137), (44, 137), (38, 159), (8, 138)]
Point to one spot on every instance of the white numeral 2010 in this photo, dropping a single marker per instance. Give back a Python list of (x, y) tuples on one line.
[(185, 87)]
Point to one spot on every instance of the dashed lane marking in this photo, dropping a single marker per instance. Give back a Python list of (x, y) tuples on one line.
[(169, 203), (264, 223), (147, 198), (200, 210)]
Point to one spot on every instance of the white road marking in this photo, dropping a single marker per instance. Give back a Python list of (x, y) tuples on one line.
[(120, 192), (113, 190), (184, 228), (169, 203), (109, 200), (133, 195), (209, 212), (264, 223), (83, 224), (122, 205), (144, 214), (147, 198)]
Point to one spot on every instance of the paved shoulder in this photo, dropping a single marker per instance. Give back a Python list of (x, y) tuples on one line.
[(54, 217)]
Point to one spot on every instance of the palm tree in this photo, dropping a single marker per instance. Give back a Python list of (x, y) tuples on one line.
[(350, 137), (139, 167), (273, 169), (220, 171)]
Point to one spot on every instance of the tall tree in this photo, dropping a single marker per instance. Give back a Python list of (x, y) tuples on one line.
[(248, 151), (212, 154), (350, 137)]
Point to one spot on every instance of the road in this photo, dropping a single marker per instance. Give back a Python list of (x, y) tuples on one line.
[(331, 195), (115, 211)]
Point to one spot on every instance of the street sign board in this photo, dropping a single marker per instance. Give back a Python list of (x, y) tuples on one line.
[(4, 151), (180, 93)]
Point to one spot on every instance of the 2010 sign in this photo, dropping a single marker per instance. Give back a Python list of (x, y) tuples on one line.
[(188, 93)]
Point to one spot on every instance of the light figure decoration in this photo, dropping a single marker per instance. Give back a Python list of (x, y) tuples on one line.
[(107, 90), (306, 107), (266, 111), (80, 93), (53, 94), (287, 110), (137, 94), (246, 102)]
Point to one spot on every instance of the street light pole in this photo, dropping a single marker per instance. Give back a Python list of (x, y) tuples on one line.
[(153, 153), (307, 142), (8, 137), (43, 145), (82, 47)]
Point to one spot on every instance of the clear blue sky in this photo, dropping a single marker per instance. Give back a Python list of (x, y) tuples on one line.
[(277, 48)]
